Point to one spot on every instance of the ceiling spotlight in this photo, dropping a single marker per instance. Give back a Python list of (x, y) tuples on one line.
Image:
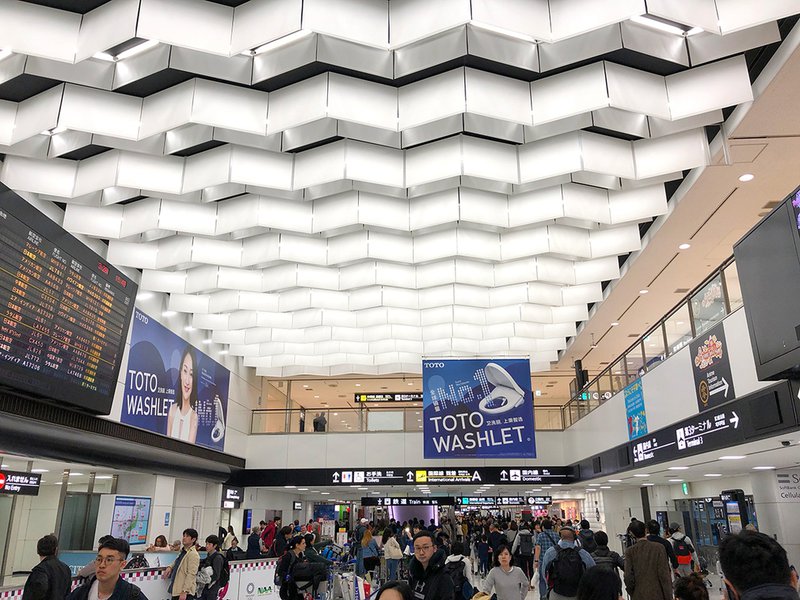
[(713, 475), (644, 291), (675, 480), (732, 457), (678, 468), (746, 177), (763, 468), (642, 475), (615, 324), (615, 481), (684, 246)]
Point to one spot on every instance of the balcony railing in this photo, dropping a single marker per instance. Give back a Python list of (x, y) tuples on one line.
[(359, 420)]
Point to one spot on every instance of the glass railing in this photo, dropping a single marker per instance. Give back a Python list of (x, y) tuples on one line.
[(705, 306), (359, 420)]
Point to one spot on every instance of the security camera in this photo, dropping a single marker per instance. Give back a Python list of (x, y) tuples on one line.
[(786, 443)]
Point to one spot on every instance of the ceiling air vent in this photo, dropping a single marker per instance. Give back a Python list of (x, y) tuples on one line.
[(634, 335)]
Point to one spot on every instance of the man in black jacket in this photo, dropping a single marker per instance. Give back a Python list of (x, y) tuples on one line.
[(756, 567), (654, 535), (107, 583), (51, 578), (427, 577)]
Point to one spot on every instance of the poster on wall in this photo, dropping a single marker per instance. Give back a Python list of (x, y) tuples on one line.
[(172, 388), (634, 410), (713, 382), (478, 409)]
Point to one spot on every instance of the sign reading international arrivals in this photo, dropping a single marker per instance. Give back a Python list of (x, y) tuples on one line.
[(477, 409), (713, 381), (634, 410), (172, 388)]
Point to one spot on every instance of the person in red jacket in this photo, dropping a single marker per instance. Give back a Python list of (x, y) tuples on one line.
[(268, 535)]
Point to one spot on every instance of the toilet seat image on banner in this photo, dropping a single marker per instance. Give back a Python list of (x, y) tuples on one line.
[(506, 392)]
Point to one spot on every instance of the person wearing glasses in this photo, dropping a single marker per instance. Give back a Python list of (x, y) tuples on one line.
[(427, 576), (106, 584)]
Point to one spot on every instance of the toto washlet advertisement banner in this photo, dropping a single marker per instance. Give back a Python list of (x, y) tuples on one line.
[(172, 388), (478, 409)]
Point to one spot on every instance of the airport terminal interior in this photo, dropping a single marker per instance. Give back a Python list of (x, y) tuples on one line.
[(334, 260)]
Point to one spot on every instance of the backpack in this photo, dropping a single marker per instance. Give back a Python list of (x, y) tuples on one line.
[(565, 572), (683, 550), (224, 572), (525, 544), (586, 538), (462, 587)]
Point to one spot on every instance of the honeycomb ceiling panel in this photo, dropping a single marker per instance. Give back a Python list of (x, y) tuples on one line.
[(345, 186)]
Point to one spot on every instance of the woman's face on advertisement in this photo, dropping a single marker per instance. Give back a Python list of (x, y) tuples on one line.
[(187, 372)]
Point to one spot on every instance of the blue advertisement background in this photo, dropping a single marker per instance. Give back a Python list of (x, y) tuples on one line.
[(156, 351), (456, 388), (634, 410)]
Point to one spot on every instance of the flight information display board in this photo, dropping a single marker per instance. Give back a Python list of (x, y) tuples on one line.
[(64, 312)]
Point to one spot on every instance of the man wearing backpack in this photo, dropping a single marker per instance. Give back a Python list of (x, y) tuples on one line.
[(523, 549), (457, 567), (586, 537), (684, 550), (564, 565), (545, 540)]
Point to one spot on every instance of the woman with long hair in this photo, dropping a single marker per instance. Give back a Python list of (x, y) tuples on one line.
[(182, 416), (392, 553), (371, 552)]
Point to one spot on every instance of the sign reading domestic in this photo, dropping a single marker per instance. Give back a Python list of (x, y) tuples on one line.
[(412, 397), (713, 381), (700, 433), (465, 475), (634, 410), (172, 388), (478, 501), (19, 483), (478, 409)]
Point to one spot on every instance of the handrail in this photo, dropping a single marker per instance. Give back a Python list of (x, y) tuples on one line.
[(593, 395)]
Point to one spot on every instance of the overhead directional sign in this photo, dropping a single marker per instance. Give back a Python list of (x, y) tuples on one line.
[(711, 367), (399, 397), (701, 433), (408, 501), (480, 501)]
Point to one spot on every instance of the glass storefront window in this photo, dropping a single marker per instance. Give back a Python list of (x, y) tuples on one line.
[(634, 361), (654, 351), (708, 305), (678, 329), (732, 287)]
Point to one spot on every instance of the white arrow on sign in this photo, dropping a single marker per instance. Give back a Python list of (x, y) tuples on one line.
[(336, 477), (410, 477), (723, 387), (503, 475), (734, 420)]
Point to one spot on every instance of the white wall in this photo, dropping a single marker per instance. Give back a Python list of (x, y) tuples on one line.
[(388, 449), (33, 517)]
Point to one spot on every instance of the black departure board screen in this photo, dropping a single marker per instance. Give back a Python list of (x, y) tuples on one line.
[(64, 312)]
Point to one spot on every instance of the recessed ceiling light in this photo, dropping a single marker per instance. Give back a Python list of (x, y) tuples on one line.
[(615, 481), (642, 475), (305, 385), (375, 493), (75, 474), (746, 177), (647, 484), (763, 468), (409, 383), (684, 246), (222, 352), (594, 485), (358, 385), (644, 291), (207, 341), (659, 25), (605, 487), (615, 324), (302, 489), (316, 396), (168, 313), (732, 457), (363, 489), (325, 493), (104, 476), (188, 328), (290, 487), (713, 475), (678, 468), (675, 480), (38, 470)]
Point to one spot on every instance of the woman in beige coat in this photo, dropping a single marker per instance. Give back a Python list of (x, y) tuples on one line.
[(183, 572)]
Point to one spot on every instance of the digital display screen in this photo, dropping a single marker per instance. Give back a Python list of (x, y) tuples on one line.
[(131, 519), (64, 312)]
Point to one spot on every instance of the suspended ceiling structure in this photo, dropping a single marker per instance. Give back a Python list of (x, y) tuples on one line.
[(345, 186)]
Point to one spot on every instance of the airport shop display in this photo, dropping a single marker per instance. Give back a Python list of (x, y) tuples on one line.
[(65, 312), (477, 408), (713, 380), (161, 367)]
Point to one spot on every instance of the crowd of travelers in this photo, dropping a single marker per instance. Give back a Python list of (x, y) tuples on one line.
[(474, 558)]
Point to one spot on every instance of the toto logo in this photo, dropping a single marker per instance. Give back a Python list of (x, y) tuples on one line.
[(433, 365)]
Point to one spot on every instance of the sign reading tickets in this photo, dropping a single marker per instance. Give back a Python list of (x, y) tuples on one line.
[(634, 410), (713, 382), (478, 409), (172, 388)]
